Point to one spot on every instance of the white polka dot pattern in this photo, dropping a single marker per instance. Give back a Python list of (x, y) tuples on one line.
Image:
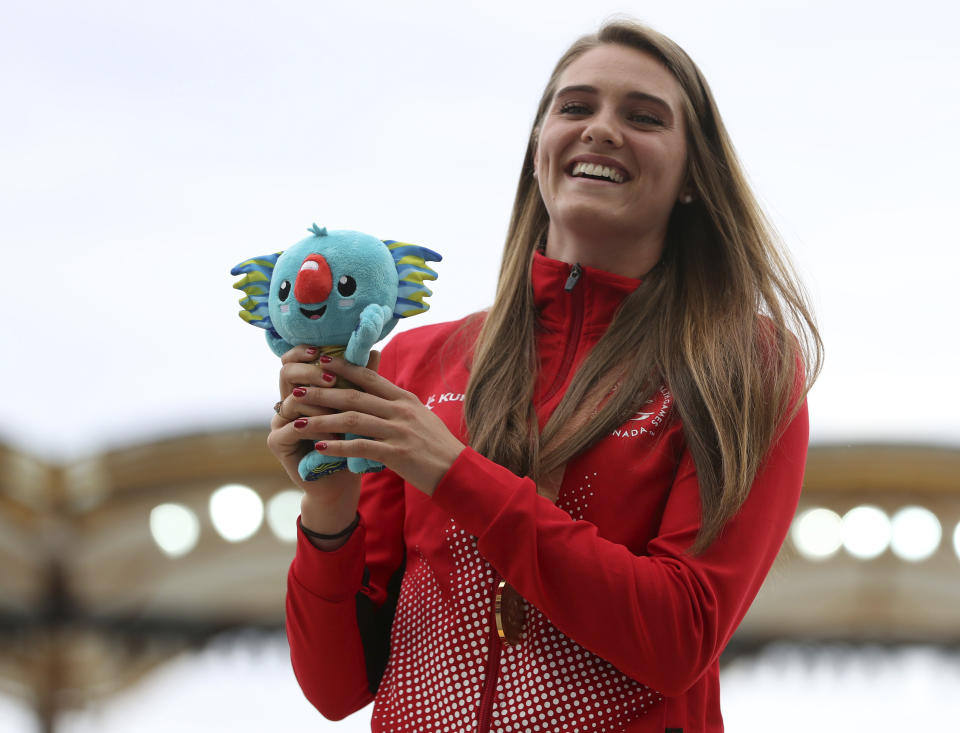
[(434, 680), (576, 500), (550, 683), (439, 644)]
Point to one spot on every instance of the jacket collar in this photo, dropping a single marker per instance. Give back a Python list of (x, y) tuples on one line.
[(596, 293)]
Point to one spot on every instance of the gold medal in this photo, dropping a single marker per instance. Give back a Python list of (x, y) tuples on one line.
[(510, 612)]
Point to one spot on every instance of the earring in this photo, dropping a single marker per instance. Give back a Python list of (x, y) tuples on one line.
[(687, 198)]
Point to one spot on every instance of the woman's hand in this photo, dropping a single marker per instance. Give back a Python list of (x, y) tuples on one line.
[(329, 504), (400, 432)]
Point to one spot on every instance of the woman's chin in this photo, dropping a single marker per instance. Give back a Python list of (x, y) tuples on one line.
[(590, 222)]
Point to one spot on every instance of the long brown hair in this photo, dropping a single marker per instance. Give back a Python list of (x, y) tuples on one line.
[(721, 320)]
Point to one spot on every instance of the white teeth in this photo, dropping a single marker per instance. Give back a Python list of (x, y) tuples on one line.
[(600, 171)]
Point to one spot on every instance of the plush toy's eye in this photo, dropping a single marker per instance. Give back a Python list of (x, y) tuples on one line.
[(284, 290), (346, 285)]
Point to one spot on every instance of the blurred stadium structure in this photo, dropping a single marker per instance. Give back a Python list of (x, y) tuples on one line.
[(116, 563)]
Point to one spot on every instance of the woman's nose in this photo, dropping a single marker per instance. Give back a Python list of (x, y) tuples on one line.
[(603, 130)]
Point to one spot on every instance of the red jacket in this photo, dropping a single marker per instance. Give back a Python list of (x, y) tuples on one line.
[(624, 629)]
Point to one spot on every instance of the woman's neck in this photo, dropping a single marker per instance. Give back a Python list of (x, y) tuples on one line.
[(628, 256)]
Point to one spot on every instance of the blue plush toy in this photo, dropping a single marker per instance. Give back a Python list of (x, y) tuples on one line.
[(341, 291)]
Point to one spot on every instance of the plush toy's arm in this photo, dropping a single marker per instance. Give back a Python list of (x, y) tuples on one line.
[(368, 331), (277, 345)]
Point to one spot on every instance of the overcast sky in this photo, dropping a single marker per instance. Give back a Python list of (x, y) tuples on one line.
[(147, 147)]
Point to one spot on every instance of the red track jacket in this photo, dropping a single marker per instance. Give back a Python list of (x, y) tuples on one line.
[(624, 628)]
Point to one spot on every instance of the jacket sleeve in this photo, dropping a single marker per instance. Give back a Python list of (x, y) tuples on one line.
[(663, 617), (340, 604)]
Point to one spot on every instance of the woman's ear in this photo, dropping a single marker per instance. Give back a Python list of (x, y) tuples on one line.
[(688, 191)]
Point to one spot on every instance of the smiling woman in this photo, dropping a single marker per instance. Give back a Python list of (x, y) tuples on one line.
[(611, 160), (570, 539)]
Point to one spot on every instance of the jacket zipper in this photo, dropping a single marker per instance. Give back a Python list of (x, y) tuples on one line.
[(494, 643), (490, 682), (576, 323)]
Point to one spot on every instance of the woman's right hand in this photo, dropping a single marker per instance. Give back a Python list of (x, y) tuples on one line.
[(329, 504)]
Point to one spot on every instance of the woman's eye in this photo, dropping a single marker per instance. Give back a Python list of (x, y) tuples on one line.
[(645, 118), (346, 285), (284, 290), (574, 108)]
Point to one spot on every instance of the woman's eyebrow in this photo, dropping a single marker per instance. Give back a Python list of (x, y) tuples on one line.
[(586, 88), (577, 88)]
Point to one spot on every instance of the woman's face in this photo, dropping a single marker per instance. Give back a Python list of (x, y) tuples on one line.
[(611, 152)]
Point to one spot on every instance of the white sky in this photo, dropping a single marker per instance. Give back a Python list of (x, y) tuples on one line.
[(147, 147)]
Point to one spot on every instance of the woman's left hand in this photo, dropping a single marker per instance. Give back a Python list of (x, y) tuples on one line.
[(399, 431)]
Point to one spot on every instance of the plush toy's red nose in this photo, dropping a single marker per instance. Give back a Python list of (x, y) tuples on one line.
[(314, 280)]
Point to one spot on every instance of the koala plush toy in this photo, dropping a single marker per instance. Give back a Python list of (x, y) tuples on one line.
[(341, 291)]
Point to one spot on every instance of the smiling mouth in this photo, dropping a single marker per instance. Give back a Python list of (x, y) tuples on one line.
[(314, 313), (597, 172)]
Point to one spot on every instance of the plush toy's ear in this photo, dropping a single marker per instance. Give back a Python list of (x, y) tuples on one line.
[(412, 270), (255, 283)]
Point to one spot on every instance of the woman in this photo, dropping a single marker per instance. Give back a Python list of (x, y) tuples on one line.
[(619, 441)]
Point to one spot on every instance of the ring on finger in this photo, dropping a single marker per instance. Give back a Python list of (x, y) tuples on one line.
[(278, 408)]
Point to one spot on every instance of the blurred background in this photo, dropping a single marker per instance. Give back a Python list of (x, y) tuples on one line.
[(147, 147)]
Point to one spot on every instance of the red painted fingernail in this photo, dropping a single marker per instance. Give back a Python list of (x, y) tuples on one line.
[(329, 377), (312, 350), (299, 391), (320, 445), (300, 422), (326, 359)]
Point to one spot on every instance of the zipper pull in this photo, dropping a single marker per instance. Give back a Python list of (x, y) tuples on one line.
[(574, 277)]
